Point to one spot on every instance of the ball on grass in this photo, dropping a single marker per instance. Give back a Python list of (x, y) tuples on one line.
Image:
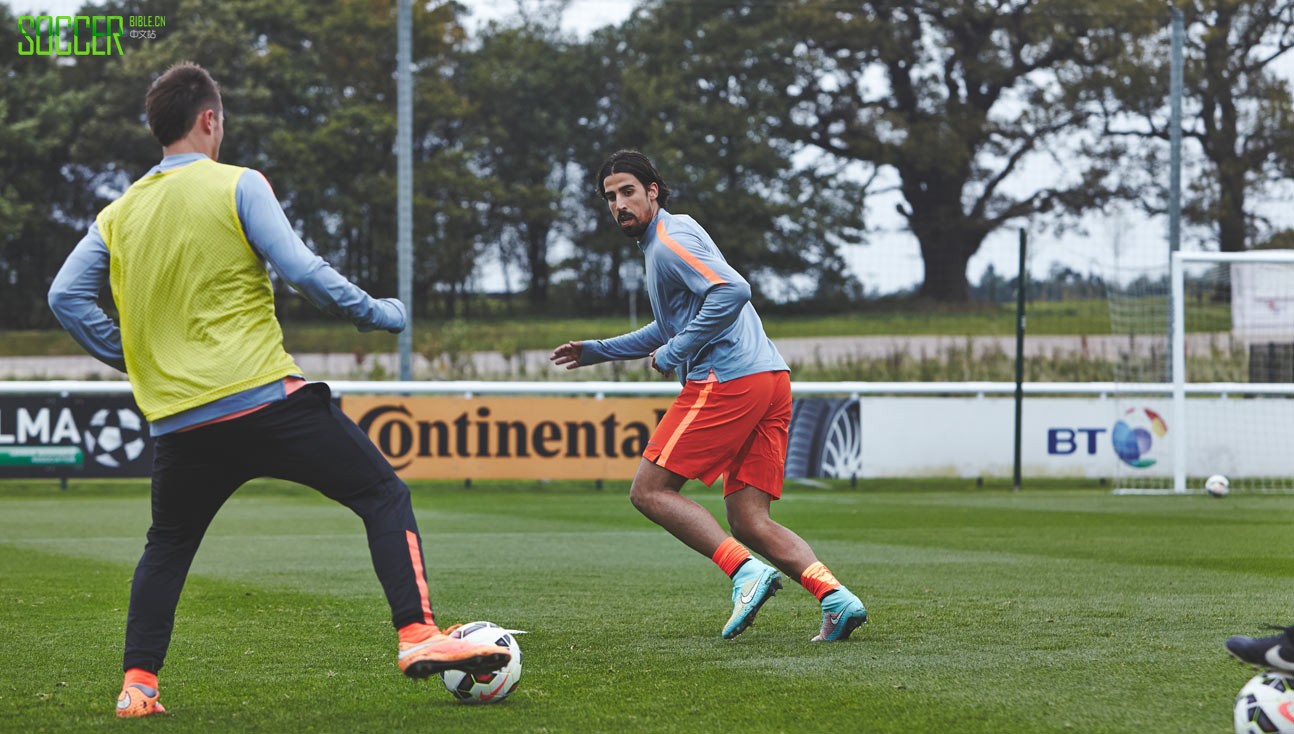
[(1217, 485)]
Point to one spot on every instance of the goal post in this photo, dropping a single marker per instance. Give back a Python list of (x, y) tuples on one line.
[(1253, 411)]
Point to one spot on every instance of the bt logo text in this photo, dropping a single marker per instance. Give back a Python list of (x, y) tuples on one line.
[(1065, 441)]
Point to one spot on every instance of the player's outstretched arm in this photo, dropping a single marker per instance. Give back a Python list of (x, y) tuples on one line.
[(634, 345), (269, 231)]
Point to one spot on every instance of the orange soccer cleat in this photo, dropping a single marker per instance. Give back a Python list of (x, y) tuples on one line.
[(136, 700), (442, 651)]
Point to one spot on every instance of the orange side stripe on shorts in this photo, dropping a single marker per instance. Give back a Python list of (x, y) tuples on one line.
[(415, 555), (688, 257), (687, 421)]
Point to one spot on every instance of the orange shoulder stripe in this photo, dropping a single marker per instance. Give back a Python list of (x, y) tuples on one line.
[(688, 257)]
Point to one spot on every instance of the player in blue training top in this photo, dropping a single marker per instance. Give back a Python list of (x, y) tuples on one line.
[(731, 417), (184, 253)]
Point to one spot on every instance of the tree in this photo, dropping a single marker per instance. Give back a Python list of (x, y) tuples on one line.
[(1237, 112), (527, 88), (309, 94), (30, 129), (691, 86), (959, 101), (48, 195)]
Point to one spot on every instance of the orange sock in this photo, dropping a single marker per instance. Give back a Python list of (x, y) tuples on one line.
[(417, 632), (818, 580), (140, 676), (730, 555)]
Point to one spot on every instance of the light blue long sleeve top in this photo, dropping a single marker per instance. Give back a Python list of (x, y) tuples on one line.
[(703, 320), (74, 294)]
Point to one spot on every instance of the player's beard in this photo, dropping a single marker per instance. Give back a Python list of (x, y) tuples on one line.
[(632, 227)]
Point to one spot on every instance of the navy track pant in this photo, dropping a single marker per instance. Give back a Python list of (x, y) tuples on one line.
[(303, 438)]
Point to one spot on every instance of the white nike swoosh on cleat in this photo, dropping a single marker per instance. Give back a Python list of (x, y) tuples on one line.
[(1274, 658), (748, 597), (834, 618), (406, 653)]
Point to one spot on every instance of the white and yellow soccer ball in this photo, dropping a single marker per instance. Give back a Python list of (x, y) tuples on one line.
[(490, 687), (1266, 705), (1217, 485)]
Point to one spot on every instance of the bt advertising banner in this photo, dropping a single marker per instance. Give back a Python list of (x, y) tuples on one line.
[(1079, 437)]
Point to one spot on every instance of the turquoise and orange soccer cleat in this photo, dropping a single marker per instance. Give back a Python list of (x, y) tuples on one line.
[(842, 613), (754, 583), (441, 652), (136, 700)]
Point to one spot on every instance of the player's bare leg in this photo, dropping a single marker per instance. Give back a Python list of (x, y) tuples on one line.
[(748, 515), (655, 492)]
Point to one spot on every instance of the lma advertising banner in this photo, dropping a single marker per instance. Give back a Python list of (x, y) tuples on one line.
[(98, 436)]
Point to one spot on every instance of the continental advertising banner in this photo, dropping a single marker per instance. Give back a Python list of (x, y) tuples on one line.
[(508, 437), (440, 437)]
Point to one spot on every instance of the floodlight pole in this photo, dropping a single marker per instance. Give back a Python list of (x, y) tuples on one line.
[(1175, 135), (1021, 280), (404, 177), (1177, 290), (1175, 152)]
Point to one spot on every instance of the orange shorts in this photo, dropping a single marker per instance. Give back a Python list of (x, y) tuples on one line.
[(737, 429)]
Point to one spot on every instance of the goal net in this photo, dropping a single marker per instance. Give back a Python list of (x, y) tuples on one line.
[(1206, 373)]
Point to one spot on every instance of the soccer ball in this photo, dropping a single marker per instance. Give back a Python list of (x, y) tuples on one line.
[(1217, 485), (1266, 705), (489, 687), (115, 437)]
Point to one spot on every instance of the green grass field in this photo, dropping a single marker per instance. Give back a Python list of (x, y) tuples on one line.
[(1062, 609)]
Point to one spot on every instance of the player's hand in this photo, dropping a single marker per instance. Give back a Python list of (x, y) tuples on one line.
[(391, 317), (567, 355), (657, 367), (401, 322)]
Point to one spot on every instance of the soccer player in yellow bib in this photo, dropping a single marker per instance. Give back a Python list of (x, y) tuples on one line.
[(184, 253)]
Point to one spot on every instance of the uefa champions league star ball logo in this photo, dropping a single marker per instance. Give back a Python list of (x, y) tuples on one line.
[(115, 437), (1134, 436)]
